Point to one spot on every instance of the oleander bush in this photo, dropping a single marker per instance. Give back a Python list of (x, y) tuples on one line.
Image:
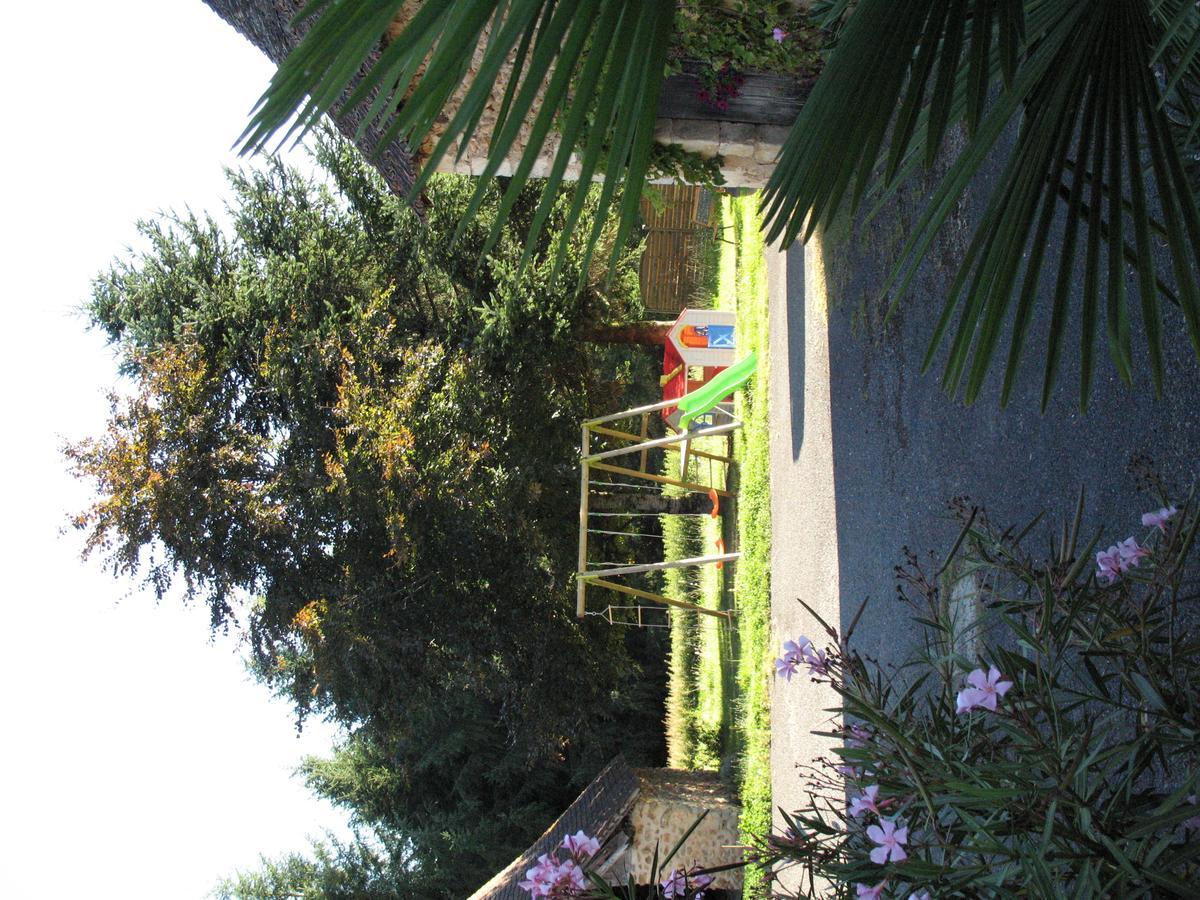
[(1044, 742)]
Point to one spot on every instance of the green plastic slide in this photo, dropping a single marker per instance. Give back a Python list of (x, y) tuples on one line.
[(703, 399)]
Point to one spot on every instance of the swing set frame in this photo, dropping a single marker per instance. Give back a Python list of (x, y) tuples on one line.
[(599, 461)]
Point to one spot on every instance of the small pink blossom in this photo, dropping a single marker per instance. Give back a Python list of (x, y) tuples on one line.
[(1159, 517), (816, 662), (986, 689), (890, 840), (795, 653), (872, 893), (1109, 565), (919, 895), (786, 666), (675, 884), (581, 845), (1130, 552), (571, 877), (859, 736), (865, 802), (847, 771), (778, 34), (541, 879)]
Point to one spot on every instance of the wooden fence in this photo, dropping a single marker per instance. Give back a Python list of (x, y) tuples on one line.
[(676, 239)]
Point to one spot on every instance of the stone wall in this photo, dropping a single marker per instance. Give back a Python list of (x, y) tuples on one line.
[(749, 146), (668, 804)]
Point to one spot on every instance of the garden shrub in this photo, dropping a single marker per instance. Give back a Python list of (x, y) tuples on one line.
[(1043, 743)]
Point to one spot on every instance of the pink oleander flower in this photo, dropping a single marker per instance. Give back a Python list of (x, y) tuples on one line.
[(890, 840), (700, 884), (858, 735), (779, 35), (986, 689), (847, 771), (580, 845), (1109, 565), (787, 667), (873, 893), (675, 884), (919, 895), (541, 879), (1130, 553), (571, 877), (794, 653), (865, 802), (816, 662), (1159, 518)]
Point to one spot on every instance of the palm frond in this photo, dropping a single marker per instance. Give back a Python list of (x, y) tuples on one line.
[(1096, 167), (584, 73)]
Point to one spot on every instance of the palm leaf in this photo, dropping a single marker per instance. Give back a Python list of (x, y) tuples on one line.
[(590, 71), (1104, 92)]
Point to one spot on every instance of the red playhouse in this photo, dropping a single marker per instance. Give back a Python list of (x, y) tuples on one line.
[(700, 339)]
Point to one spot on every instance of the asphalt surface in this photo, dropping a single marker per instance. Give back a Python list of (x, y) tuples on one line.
[(867, 452)]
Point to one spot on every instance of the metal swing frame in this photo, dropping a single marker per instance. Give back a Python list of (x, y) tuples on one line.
[(597, 461)]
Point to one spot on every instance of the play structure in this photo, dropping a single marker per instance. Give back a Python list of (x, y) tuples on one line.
[(700, 339)]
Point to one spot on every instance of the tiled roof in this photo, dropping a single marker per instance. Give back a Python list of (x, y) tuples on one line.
[(598, 811)]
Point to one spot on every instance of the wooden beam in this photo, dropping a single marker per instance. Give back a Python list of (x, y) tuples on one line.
[(665, 441), (612, 432), (660, 479), (659, 598), (580, 584), (645, 434), (657, 567)]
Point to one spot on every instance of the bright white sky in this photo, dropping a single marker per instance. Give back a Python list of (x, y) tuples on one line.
[(138, 759)]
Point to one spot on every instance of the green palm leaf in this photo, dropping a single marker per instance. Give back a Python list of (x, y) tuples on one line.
[(590, 71), (1096, 168)]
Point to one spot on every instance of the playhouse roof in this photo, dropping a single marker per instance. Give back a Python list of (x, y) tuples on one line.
[(267, 25), (598, 811)]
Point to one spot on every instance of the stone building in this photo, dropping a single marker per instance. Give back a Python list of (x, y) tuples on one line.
[(635, 813), (748, 134)]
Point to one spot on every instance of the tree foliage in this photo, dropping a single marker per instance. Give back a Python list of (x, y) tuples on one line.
[(358, 446)]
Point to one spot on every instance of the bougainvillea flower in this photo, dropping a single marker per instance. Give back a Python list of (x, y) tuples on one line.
[(778, 34), (1109, 565), (1159, 518), (675, 884), (865, 802), (581, 845), (873, 893), (890, 840), (986, 688)]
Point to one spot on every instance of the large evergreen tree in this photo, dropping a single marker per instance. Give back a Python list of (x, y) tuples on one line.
[(358, 446)]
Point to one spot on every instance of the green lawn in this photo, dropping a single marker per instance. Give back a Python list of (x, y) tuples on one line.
[(717, 712)]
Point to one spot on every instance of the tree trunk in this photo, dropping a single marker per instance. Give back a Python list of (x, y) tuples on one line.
[(645, 502), (647, 333)]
